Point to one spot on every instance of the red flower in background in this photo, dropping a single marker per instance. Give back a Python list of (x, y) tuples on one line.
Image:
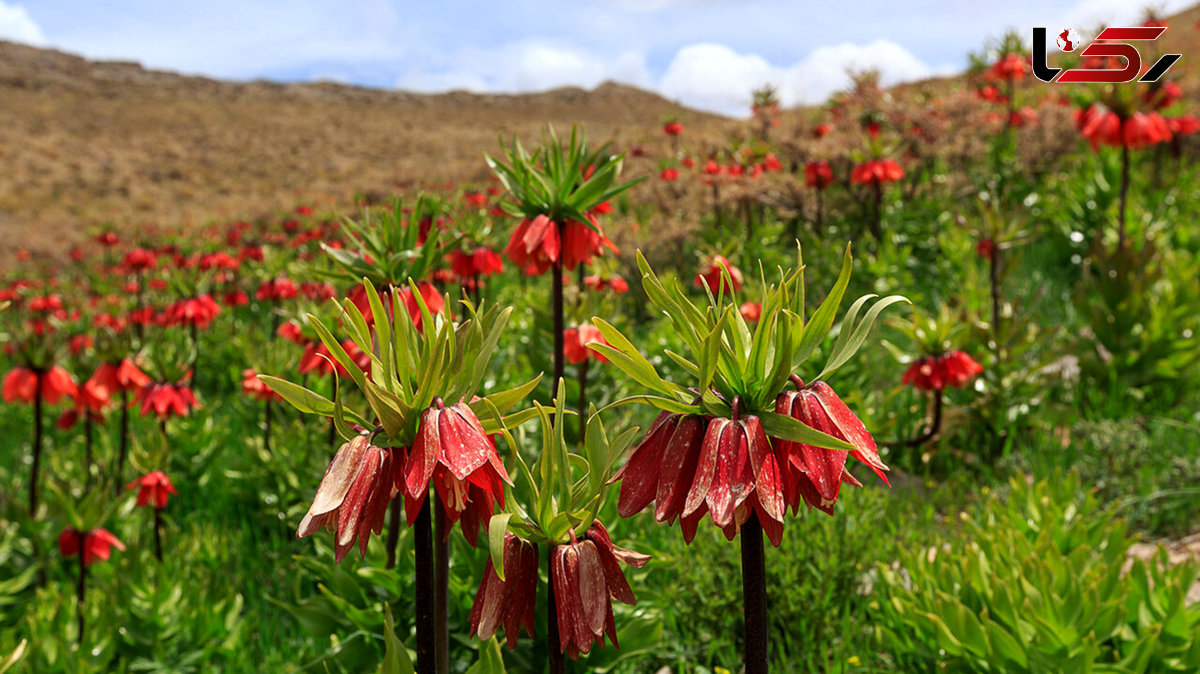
[(673, 128), (97, 544), (614, 283), (316, 358), (1010, 66), (814, 475), (167, 400), (669, 174), (154, 489), (354, 493), (1183, 125), (750, 311), (107, 239), (715, 280), (219, 260), (511, 602), (275, 290), (198, 311), (575, 341), (89, 399), (21, 385), (452, 451), (537, 243), (1105, 127), (935, 373), (255, 388), (586, 578), (116, 377), (821, 130), (876, 172), (291, 331), (235, 298), (818, 174), (480, 262), (138, 260)]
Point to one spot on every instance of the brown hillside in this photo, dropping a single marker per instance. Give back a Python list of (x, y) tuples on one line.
[(85, 142)]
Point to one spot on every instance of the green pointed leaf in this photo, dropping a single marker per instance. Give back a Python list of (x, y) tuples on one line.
[(787, 428), (497, 527)]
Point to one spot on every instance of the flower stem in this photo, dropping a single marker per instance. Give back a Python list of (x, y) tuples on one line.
[(554, 655), (877, 221), (1124, 195), (441, 593), (559, 358), (37, 444), (195, 333), (124, 438), (754, 597), (87, 449), (267, 427), (158, 534), (423, 542), (393, 532), (81, 588)]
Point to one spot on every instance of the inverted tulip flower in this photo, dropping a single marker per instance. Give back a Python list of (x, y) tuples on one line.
[(509, 602), (167, 400), (419, 442), (354, 494), (587, 578), (125, 377), (814, 475), (154, 489), (96, 544), (37, 384), (90, 546), (733, 444), (452, 451), (935, 373), (25, 385)]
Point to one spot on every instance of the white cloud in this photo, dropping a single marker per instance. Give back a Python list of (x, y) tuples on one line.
[(1089, 14), (715, 77), (528, 66), (17, 25)]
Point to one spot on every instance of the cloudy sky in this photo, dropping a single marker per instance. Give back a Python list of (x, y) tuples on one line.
[(705, 53)]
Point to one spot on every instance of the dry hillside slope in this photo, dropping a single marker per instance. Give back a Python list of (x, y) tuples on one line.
[(86, 142)]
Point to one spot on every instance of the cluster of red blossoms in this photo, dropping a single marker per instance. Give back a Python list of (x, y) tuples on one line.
[(818, 174), (450, 451), (154, 489), (21, 385), (538, 243), (471, 265), (935, 373), (876, 172), (96, 544), (715, 280), (1105, 127), (575, 341), (692, 465)]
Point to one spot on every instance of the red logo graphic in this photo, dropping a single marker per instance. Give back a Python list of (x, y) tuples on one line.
[(1111, 42)]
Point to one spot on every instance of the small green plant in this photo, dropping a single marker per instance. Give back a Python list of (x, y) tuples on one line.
[(1037, 582)]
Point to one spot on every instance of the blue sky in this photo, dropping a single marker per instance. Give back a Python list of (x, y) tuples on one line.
[(705, 53)]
